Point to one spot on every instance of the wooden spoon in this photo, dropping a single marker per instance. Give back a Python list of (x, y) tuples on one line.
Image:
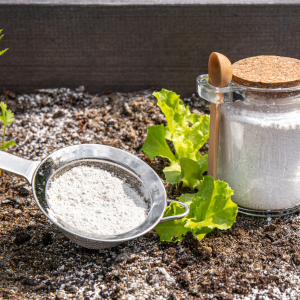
[(220, 75)]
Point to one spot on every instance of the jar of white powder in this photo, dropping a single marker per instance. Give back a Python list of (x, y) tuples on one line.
[(259, 143)]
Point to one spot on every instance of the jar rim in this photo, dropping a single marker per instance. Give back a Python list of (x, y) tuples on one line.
[(265, 90), (203, 81)]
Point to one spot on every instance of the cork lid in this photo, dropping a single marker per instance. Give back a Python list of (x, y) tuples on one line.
[(267, 72)]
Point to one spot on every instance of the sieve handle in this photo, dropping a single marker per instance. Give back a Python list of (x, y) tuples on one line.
[(17, 165), (171, 218)]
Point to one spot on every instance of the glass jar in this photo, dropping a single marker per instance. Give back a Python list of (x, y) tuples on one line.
[(259, 146)]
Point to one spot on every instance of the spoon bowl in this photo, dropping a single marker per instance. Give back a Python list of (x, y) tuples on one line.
[(219, 70)]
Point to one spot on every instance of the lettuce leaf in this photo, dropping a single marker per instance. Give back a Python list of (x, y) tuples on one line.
[(173, 173), (155, 143), (168, 230), (211, 207), (187, 131), (214, 207), (191, 171)]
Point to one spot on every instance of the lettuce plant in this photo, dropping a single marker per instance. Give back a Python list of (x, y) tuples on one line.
[(211, 206), (187, 131)]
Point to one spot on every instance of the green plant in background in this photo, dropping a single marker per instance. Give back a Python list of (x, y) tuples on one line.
[(1, 36), (7, 117), (211, 206)]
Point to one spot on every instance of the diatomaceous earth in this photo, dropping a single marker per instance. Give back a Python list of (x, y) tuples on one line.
[(94, 201), (259, 157)]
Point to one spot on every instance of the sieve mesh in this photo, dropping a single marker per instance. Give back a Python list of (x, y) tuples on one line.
[(117, 171)]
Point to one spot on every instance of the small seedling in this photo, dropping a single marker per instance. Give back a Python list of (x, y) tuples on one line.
[(3, 114), (7, 117), (1, 36)]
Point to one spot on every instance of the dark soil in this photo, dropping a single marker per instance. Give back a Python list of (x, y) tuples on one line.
[(258, 259)]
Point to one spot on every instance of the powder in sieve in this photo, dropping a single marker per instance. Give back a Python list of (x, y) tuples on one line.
[(94, 201)]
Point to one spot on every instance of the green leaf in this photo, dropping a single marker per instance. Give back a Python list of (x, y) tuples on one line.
[(172, 173), (1, 36), (202, 233), (6, 115), (194, 206), (211, 207), (155, 143), (191, 171), (187, 198), (217, 203), (218, 211), (203, 163), (3, 107), (187, 131), (9, 117), (193, 137), (199, 132), (5, 145), (3, 51), (172, 107), (207, 187), (168, 135), (167, 230)]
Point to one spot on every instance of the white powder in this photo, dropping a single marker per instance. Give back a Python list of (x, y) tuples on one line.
[(94, 201), (259, 157)]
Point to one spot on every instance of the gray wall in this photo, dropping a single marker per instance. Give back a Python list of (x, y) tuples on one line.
[(131, 47)]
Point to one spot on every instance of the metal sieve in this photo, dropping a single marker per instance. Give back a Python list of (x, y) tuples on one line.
[(121, 164)]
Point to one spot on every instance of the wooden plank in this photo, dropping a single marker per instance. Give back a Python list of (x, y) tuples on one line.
[(126, 48), (147, 2)]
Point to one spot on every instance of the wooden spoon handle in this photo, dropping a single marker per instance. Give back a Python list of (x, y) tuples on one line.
[(215, 114), (220, 74)]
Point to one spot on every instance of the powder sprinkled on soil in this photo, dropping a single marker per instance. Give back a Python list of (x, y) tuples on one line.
[(252, 261), (95, 202)]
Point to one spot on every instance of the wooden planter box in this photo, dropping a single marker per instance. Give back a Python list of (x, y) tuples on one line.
[(131, 45)]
